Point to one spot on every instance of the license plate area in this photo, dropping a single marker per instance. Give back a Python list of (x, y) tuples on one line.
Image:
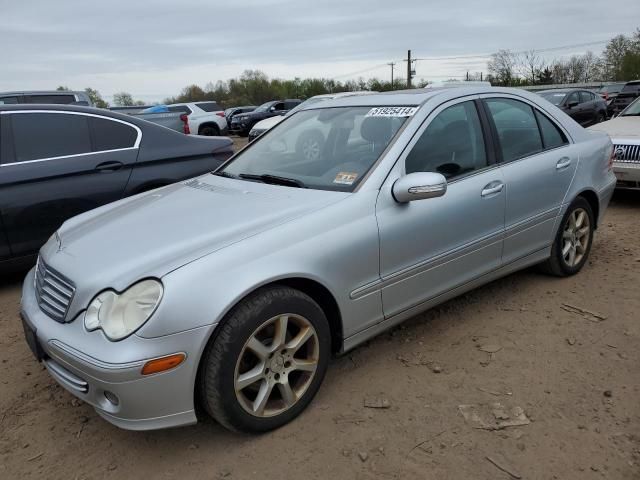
[(32, 339)]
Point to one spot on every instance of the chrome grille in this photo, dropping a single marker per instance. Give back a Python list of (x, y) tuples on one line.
[(627, 153), (54, 292)]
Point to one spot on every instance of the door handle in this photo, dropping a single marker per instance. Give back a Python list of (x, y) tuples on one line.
[(564, 162), (492, 188), (109, 166)]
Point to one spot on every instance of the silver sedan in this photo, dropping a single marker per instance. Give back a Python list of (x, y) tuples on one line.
[(232, 290)]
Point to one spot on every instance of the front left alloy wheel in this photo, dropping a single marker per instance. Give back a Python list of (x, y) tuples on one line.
[(267, 361)]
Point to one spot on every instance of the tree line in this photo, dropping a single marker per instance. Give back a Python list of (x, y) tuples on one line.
[(620, 61)]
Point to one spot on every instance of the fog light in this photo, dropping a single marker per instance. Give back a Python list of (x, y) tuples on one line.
[(111, 398), (163, 364)]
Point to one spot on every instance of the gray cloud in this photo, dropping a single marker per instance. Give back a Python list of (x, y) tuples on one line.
[(157, 47)]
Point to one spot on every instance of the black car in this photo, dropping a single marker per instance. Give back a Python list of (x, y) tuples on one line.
[(57, 161), (243, 123), (229, 113), (584, 106), (627, 95)]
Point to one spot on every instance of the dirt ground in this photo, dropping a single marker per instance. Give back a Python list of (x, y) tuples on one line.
[(519, 341)]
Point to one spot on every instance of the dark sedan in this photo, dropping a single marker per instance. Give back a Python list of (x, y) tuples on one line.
[(244, 122), (585, 107), (229, 113), (57, 161)]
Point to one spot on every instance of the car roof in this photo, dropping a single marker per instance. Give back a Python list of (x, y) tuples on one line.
[(414, 97), (42, 92), (71, 108)]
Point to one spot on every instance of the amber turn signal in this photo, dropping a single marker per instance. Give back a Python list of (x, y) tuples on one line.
[(163, 364)]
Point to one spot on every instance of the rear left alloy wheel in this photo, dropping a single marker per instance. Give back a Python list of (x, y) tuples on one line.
[(573, 240), (267, 361)]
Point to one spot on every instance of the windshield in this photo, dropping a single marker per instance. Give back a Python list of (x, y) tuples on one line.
[(324, 149), (264, 107), (554, 97), (632, 110)]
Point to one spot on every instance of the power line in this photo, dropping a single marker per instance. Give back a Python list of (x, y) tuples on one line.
[(540, 50), (470, 57)]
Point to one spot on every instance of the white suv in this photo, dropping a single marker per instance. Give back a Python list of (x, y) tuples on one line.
[(204, 118)]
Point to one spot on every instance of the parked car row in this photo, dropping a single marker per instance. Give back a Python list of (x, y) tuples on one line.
[(227, 293)]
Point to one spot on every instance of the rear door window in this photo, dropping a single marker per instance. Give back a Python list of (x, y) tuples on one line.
[(111, 135), (39, 136), (517, 128)]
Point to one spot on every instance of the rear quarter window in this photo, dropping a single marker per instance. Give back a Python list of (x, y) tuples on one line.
[(111, 135)]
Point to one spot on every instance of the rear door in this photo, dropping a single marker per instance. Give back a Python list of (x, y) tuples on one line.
[(588, 100), (59, 164), (538, 164)]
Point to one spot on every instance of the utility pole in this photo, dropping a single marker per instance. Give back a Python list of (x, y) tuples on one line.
[(391, 64), (408, 68)]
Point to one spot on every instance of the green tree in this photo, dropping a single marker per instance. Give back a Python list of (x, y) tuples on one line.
[(96, 98), (63, 88)]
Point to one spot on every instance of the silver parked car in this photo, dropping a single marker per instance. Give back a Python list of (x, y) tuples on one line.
[(231, 290)]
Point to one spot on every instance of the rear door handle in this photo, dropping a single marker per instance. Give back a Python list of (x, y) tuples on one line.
[(564, 162), (492, 188), (109, 166)]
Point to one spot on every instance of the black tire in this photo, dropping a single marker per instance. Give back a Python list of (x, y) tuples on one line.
[(601, 117), (556, 264), (218, 364), (310, 145), (209, 131)]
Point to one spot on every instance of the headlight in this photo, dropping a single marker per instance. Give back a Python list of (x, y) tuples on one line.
[(121, 314)]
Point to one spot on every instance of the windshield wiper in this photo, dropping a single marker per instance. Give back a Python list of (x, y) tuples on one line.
[(274, 180), (630, 114), (222, 173)]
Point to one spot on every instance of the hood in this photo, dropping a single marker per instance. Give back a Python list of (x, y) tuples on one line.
[(156, 232), (268, 123), (620, 127)]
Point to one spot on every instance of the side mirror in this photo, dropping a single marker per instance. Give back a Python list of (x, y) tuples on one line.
[(572, 104), (419, 186)]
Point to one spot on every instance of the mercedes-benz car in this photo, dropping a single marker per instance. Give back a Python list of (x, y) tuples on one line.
[(227, 293)]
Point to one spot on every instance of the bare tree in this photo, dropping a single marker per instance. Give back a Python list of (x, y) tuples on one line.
[(530, 64), (502, 67)]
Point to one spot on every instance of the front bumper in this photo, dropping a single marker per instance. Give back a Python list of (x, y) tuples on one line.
[(628, 175), (96, 370)]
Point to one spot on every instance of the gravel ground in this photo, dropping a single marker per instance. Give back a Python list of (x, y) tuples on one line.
[(525, 350)]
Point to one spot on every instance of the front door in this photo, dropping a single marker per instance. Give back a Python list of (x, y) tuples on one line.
[(538, 164), (59, 164), (428, 247)]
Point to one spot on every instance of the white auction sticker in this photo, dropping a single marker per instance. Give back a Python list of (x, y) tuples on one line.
[(392, 112)]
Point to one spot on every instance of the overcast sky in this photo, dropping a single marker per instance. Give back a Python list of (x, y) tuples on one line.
[(153, 48)]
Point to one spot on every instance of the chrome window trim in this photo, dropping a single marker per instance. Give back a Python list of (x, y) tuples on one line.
[(135, 146)]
